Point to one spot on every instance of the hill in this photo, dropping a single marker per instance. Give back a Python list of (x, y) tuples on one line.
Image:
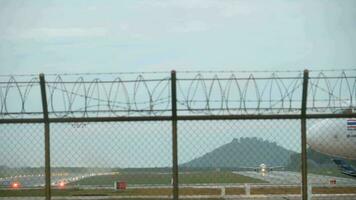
[(243, 152)]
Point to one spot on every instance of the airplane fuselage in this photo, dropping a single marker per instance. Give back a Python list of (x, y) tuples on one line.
[(335, 137)]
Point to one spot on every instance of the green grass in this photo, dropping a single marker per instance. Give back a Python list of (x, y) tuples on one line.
[(154, 178), (109, 192), (22, 193)]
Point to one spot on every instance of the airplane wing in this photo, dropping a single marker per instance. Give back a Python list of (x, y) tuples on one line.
[(249, 168), (344, 167), (259, 168), (275, 168)]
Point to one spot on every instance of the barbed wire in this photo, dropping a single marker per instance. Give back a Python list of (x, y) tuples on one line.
[(198, 93)]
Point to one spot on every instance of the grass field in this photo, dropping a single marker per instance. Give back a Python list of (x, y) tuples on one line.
[(107, 192), (155, 178)]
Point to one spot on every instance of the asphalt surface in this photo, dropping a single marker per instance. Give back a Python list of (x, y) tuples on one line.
[(294, 178), (274, 178), (28, 181)]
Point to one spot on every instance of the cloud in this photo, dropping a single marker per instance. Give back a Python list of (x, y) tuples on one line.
[(92, 8), (65, 32), (186, 4), (190, 26), (44, 32)]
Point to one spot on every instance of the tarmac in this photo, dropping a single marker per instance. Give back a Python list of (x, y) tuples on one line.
[(274, 178), (294, 178)]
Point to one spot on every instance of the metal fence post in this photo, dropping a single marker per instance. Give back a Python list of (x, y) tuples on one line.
[(174, 136), (304, 136), (46, 137)]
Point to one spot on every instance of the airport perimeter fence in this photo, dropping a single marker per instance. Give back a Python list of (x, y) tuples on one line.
[(180, 135)]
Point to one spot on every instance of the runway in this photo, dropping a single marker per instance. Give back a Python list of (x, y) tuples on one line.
[(287, 177), (29, 181), (274, 177)]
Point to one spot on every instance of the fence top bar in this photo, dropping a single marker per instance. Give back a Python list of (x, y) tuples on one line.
[(103, 81), (111, 119), (264, 117), (22, 121), (181, 117)]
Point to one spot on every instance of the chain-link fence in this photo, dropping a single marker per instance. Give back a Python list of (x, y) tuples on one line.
[(236, 155), (209, 135), (102, 153), (22, 159)]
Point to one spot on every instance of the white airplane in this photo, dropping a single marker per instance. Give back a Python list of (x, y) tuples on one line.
[(334, 137), (262, 168)]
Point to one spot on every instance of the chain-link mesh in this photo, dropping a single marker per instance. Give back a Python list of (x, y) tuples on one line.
[(21, 160), (90, 158), (216, 157), (331, 153), (240, 157)]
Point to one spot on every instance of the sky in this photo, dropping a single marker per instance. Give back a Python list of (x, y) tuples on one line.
[(114, 36), (133, 36)]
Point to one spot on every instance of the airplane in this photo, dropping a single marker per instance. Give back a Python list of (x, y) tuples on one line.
[(335, 137), (262, 168), (61, 183), (345, 168)]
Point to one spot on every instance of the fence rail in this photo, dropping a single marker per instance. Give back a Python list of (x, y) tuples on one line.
[(180, 97)]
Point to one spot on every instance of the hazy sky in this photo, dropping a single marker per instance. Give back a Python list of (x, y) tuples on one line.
[(111, 36)]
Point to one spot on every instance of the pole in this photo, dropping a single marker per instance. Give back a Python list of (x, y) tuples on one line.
[(46, 137), (174, 136), (304, 136)]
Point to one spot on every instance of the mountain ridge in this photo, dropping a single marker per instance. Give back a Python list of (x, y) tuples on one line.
[(243, 152)]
